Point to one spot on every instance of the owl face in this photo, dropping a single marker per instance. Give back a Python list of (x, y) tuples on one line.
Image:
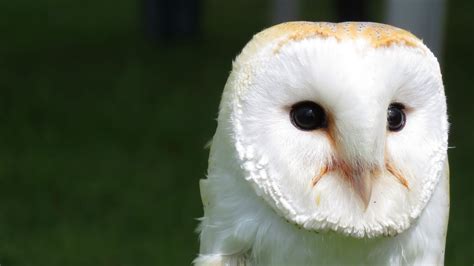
[(339, 127)]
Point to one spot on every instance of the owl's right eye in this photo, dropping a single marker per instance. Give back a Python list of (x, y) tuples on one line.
[(308, 115)]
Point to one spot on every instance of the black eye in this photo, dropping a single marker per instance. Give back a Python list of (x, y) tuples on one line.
[(396, 118), (308, 116)]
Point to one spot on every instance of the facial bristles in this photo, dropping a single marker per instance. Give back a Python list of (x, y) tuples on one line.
[(360, 179), (317, 177), (396, 173)]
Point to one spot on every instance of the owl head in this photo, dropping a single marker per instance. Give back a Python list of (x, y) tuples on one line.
[(338, 127)]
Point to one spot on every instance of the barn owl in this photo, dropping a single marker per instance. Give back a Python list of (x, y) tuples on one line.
[(331, 149)]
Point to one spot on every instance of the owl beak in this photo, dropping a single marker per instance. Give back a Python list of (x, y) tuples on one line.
[(358, 150), (363, 187), (360, 177)]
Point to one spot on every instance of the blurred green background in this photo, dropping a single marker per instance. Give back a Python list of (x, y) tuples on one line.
[(102, 132)]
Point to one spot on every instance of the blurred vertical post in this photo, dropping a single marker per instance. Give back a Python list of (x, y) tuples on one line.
[(170, 19), (285, 10), (424, 18)]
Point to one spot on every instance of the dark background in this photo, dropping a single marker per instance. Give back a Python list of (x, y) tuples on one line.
[(102, 131)]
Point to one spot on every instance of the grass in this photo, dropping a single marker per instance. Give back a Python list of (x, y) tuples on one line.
[(102, 133)]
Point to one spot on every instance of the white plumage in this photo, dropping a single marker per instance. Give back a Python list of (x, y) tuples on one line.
[(352, 190)]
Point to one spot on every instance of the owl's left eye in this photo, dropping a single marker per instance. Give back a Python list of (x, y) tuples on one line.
[(396, 117), (308, 115)]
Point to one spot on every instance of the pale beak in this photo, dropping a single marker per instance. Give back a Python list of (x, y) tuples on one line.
[(359, 178)]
